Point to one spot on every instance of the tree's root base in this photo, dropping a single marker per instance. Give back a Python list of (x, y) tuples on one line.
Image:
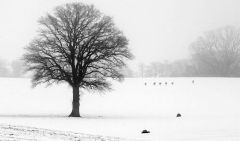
[(74, 115)]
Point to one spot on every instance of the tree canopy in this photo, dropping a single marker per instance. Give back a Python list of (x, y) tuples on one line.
[(79, 45)]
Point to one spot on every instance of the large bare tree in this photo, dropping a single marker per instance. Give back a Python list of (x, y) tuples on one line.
[(79, 45), (217, 53)]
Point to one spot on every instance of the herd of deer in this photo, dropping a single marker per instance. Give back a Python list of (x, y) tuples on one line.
[(162, 83)]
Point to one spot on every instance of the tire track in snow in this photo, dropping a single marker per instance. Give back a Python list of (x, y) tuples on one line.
[(23, 133)]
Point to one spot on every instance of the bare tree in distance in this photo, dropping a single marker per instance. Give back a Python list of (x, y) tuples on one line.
[(217, 53), (17, 68), (128, 72), (141, 69), (78, 45), (4, 70)]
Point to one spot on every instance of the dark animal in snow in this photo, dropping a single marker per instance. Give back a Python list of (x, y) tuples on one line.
[(145, 131), (179, 115)]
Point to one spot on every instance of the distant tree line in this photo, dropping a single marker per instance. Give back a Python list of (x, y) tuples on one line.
[(214, 54), (178, 68)]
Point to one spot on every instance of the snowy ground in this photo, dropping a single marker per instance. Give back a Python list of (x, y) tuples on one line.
[(209, 108), (23, 133)]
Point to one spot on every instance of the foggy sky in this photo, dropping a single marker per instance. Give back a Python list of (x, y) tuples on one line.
[(157, 30)]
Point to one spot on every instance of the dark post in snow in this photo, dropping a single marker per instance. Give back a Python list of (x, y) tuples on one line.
[(78, 45)]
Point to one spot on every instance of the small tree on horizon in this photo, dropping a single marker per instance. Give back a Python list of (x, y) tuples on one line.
[(78, 45)]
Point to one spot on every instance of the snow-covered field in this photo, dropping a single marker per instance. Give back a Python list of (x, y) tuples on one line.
[(209, 108), (23, 133)]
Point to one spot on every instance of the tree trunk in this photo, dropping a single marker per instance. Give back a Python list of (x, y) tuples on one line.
[(75, 103)]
